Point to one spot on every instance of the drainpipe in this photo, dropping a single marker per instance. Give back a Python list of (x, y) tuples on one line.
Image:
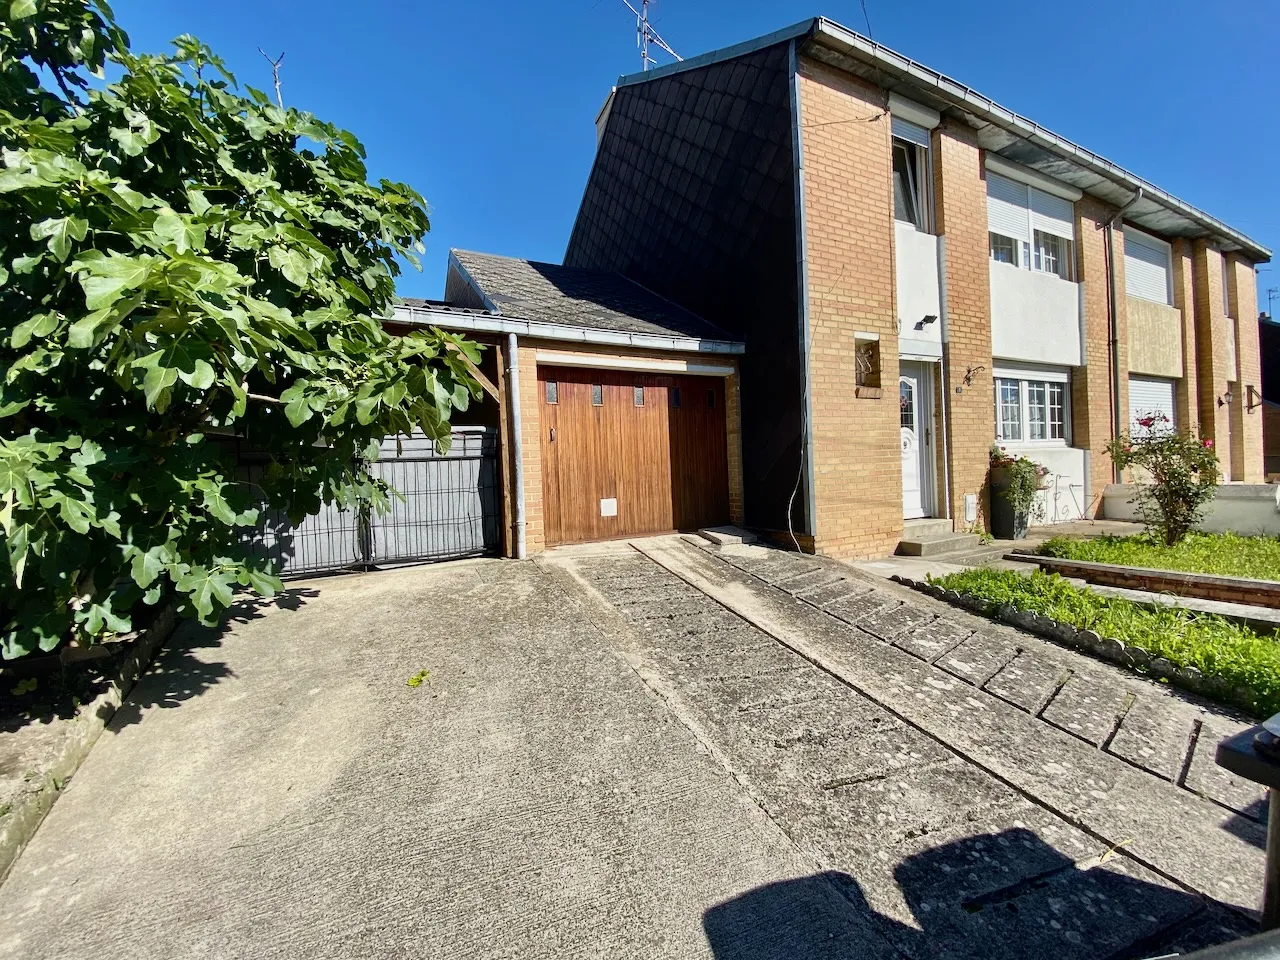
[(1113, 312), (517, 442)]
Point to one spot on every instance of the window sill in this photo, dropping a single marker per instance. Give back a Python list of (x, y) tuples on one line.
[(868, 393)]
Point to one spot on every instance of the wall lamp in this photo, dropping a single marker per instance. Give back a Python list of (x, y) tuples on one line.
[(1226, 399)]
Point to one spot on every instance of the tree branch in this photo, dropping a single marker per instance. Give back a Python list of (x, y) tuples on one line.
[(275, 73)]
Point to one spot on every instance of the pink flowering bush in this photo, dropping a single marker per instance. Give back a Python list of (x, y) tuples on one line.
[(1183, 472)]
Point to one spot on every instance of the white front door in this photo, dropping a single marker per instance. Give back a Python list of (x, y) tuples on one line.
[(915, 416)]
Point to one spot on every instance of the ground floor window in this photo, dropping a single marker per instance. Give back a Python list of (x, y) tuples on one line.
[(1029, 409)]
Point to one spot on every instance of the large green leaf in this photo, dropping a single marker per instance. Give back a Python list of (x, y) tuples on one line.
[(60, 233)]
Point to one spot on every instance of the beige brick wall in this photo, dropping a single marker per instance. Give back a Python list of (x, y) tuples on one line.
[(845, 136), (1246, 423), (531, 427), (1187, 390), (960, 192), (1214, 372)]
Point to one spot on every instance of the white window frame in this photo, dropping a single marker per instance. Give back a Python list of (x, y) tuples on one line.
[(1029, 255), (1050, 380)]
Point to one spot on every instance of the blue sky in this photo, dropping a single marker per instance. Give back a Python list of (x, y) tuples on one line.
[(487, 106)]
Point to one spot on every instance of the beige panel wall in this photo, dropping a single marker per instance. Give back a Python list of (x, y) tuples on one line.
[(857, 483), (1155, 338)]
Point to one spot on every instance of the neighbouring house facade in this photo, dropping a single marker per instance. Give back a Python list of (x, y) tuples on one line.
[(889, 272), (1269, 348)]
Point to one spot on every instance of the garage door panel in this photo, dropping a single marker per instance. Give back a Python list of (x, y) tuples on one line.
[(666, 465)]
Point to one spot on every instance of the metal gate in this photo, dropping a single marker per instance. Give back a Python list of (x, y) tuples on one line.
[(449, 510)]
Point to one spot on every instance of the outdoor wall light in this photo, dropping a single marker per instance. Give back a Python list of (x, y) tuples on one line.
[(1225, 399)]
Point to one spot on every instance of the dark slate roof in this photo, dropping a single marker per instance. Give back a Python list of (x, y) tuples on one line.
[(573, 296)]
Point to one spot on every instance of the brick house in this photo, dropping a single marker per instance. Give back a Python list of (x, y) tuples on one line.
[(912, 271)]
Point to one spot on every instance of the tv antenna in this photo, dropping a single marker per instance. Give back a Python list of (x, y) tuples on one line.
[(645, 35)]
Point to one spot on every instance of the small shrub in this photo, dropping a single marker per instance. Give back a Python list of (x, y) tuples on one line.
[(1025, 478), (1183, 470)]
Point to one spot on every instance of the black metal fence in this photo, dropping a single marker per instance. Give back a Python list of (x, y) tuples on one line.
[(450, 509)]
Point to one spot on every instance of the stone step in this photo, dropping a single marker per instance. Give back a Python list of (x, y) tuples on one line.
[(937, 545), (724, 536), (926, 527)]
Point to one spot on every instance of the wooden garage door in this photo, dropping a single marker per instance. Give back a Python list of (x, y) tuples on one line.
[(631, 453)]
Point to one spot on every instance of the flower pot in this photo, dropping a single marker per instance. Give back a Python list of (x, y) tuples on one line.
[(1006, 522)]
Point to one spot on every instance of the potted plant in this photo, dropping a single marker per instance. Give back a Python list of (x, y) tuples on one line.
[(1014, 483)]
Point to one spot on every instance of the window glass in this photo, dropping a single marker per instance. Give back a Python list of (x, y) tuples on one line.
[(597, 395), (639, 396), (906, 198), (711, 398), (675, 396), (1057, 411), (1053, 255), (553, 392), (1008, 409), (1004, 249), (1037, 411)]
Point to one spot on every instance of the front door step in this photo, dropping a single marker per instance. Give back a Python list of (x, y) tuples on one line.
[(937, 545)]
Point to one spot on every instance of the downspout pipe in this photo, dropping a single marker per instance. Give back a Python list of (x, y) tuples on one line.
[(1113, 321), (517, 441)]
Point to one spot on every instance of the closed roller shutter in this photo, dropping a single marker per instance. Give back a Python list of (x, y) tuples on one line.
[(1146, 266), (1051, 214), (1148, 395), (1007, 207)]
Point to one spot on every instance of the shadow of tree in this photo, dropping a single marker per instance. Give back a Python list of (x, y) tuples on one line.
[(180, 672), (1002, 896)]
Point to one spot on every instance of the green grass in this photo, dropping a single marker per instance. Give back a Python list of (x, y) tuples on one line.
[(1215, 646), (1220, 553)]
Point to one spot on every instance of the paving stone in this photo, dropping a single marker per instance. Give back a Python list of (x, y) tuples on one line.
[(931, 640), (758, 661), (840, 590), (727, 700), (1206, 778), (666, 609), (772, 566), (890, 622), (1155, 735), (1088, 706), (979, 658), (854, 610), (844, 825), (1028, 680), (826, 743), (809, 580)]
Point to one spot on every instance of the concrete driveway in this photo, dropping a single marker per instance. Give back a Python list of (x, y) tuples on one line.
[(659, 750)]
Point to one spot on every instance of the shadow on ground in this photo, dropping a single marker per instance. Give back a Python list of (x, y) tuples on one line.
[(1005, 896), (179, 672)]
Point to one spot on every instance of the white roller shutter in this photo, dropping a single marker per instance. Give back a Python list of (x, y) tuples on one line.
[(1051, 214), (1149, 395), (1146, 267), (1007, 207), (912, 133)]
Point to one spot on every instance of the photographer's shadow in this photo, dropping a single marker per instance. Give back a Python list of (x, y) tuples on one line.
[(1004, 896)]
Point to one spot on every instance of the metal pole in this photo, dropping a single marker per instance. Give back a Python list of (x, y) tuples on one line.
[(1271, 877), (517, 441)]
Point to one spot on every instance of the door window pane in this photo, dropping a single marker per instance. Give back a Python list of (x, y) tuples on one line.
[(906, 405), (553, 392), (639, 396), (675, 396), (597, 395), (1008, 410)]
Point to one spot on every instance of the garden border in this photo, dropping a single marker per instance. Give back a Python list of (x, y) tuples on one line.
[(1088, 641), (1202, 586), (19, 825)]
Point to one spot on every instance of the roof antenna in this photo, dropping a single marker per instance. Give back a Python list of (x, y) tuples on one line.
[(645, 35)]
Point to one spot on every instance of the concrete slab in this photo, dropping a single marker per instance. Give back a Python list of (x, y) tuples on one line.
[(980, 657), (1029, 680)]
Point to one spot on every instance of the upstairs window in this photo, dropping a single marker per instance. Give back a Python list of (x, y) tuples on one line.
[(912, 197), (1029, 228), (1148, 266)]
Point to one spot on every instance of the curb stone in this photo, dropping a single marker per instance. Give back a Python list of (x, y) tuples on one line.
[(1088, 641), (20, 823)]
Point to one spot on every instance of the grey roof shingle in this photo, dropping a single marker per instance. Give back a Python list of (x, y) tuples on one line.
[(598, 299)]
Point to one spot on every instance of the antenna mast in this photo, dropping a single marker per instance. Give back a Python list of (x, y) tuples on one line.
[(645, 35)]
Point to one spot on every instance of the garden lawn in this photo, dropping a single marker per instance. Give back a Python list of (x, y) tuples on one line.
[(1247, 661), (1221, 553)]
